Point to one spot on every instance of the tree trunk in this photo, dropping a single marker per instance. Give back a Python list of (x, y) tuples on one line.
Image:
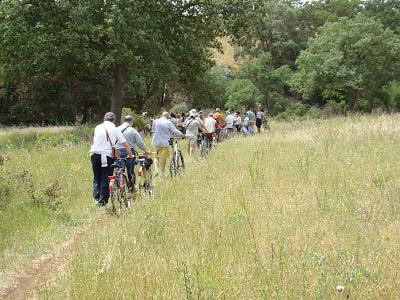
[(117, 96)]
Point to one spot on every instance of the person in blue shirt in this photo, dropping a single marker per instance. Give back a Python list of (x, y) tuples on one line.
[(163, 130), (133, 139)]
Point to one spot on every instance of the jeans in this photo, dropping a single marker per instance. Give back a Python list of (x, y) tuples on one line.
[(101, 191), (130, 167)]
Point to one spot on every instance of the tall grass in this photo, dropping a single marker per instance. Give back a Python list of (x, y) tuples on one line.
[(44, 190), (14, 138), (290, 214)]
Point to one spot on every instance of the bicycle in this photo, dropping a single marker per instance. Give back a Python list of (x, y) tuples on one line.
[(118, 187), (177, 164), (144, 174), (206, 143), (266, 125), (224, 134)]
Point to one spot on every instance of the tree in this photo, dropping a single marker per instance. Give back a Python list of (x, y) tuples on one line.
[(242, 93), (386, 11), (88, 51), (270, 81), (350, 60)]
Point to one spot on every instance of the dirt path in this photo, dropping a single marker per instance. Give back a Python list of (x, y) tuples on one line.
[(45, 270)]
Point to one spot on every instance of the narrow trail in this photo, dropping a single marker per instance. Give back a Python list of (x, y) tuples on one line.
[(45, 270)]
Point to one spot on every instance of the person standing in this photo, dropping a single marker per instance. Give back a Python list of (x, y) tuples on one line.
[(133, 138), (210, 123), (174, 120), (238, 121), (260, 118), (106, 135), (164, 130), (230, 119), (220, 123), (251, 116), (193, 126)]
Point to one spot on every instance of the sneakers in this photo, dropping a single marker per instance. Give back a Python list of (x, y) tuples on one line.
[(103, 207)]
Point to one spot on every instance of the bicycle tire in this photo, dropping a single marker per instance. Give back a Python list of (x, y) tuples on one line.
[(114, 197), (148, 183), (203, 150), (181, 162), (172, 166), (124, 193)]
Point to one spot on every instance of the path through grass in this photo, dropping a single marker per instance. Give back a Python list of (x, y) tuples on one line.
[(291, 214)]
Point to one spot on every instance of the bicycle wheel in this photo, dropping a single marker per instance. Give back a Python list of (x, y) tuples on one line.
[(203, 148), (181, 162), (115, 199), (223, 135), (125, 194), (172, 166), (148, 182)]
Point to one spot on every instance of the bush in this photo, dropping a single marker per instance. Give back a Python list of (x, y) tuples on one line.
[(314, 113), (179, 108), (283, 116), (333, 108), (299, 109), (391, 94), (139, 121), (277, 103)]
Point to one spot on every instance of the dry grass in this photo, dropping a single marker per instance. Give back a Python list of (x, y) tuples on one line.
[(228, 55), (290, 214)]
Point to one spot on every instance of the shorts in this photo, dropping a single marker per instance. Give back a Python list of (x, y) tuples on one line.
[(192, 140), (163, 152)]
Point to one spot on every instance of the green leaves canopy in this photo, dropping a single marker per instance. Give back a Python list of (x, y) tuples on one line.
[(242, 93), (351, 59)]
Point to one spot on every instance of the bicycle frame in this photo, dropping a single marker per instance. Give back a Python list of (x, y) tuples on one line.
[(177, 163), (118, 186), (144, 176)]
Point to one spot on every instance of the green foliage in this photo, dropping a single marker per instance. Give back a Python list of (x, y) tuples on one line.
[(270, 81), (242, 93), (139, 121), (335, 108), (299, 109), (392, 95), (64, 59), (351, 60), (283, 116), (179, 108), (314, 113), (387, 12), (36, 138)]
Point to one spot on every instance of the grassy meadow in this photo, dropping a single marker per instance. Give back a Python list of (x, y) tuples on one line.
[(291, 214), (44, 191)]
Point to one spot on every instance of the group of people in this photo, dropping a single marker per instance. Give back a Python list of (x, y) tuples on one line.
[(111, 142)]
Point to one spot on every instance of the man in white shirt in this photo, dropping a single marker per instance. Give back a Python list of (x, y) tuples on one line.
[(238, 121), (210, 123), (133, 139), (193, 126), (106, 135), (230, 119)]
